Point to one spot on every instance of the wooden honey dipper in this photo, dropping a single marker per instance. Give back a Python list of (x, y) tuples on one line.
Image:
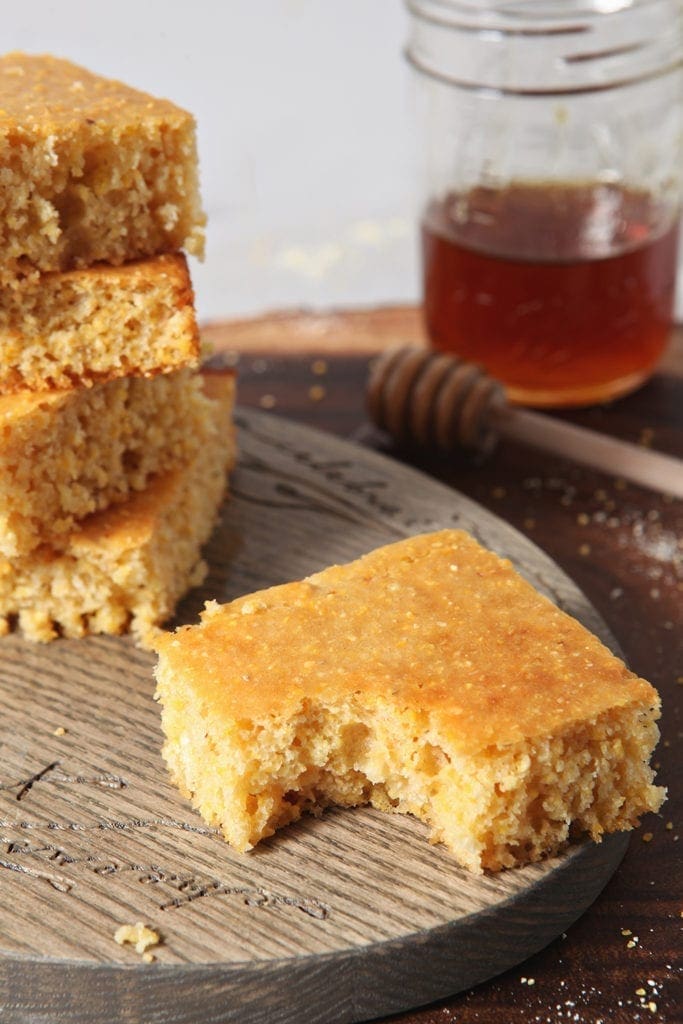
[(440, 401)]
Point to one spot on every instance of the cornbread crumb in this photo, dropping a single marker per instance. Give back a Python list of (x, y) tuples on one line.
[(425, 677), (148, 958), (87, 326), (127, 566), (59, 731), (98, 172), (138, 935), (66, 454)]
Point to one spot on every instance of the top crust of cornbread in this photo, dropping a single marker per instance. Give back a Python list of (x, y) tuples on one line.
[(434, 622), (91, 170), (42, 95)]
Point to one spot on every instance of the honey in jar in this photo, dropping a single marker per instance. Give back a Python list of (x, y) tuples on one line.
[(564, 292), (549, 142)]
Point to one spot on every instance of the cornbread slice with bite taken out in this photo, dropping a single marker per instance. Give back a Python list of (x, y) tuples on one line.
[(88, 326), (65, 454), (90, 170), (426, 677), (127, 566)]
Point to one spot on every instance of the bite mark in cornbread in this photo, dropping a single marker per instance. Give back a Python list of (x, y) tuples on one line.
[(90, 170), (88, 326), (426, 677), (127, 566)]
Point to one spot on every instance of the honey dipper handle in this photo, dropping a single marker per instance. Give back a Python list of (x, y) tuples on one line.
[(439, 401), (618, 458)]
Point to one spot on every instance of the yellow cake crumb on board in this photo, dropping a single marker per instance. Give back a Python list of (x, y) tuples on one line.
[(138, 935)]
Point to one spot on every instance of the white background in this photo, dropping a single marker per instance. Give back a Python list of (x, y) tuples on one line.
[(304, 134)]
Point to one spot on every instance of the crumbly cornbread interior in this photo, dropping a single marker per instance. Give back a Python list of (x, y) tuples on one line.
[(127, 566), (66, 454), (87, 326), (91, 170), (426, 677)]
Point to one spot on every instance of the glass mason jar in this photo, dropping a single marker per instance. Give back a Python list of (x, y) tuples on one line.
[(552, 155)]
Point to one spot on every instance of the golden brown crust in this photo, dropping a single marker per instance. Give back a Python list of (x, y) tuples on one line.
[(435, 622), (44, 95)]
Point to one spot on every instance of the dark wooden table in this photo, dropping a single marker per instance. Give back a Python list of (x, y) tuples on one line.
[(623, 546)]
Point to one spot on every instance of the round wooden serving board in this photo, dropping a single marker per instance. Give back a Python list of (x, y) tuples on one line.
[(341, 918)]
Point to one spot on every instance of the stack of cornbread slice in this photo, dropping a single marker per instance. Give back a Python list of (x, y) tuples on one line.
[(114, 446)]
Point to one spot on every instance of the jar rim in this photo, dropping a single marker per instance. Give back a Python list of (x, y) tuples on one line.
[(626, 43), (544, 23)]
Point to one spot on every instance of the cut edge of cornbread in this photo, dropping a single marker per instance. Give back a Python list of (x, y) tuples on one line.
[(66, 454), (127, 566), (497, 804), (85, 327), (91, 170), (505, 807)]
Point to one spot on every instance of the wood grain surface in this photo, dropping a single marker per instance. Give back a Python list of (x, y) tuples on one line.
[(341, 918)]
